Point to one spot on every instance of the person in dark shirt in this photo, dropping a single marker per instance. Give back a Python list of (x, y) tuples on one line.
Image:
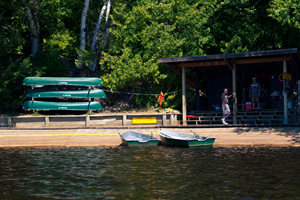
[(254, 93), (225, 106)]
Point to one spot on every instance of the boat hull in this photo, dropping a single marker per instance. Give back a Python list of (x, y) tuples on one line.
[(62, 81), (187, 144), (135, 144), (173, 142), (135, 139), (46, 105), (203, 144), (174, 139), (42, 93)]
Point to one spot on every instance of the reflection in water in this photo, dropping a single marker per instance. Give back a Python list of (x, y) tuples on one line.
[(160, 173)]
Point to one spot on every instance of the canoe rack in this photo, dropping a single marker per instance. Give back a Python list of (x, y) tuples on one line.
[(44, 88)]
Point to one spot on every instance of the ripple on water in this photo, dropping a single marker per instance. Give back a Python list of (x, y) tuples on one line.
[(167, 173)]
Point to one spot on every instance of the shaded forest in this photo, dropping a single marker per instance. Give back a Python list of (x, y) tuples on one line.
[(121, 41)]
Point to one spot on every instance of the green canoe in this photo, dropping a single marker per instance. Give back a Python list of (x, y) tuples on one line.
[(62, 81), (43, 93), (46, 105)]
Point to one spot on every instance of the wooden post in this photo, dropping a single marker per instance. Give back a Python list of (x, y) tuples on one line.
[(9, 123), (197, 89), (183, 97), (234, 90), (87, 121), (164, 119), (244, 92), (172, 119), (90, 99), (124, 120), (47, 121), (298, 100), (285, 97)]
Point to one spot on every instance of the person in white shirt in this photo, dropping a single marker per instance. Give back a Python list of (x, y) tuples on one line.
[(225, 106)]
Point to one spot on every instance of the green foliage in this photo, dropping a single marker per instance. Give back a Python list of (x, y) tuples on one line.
[(250, 25), (50, 64), (144, 31), (148, 30), (130, 71), (11, 82), (286, 12), (15, 69), (12, 26), (85, 58), (36, 113), (61, 41), (235, 45)]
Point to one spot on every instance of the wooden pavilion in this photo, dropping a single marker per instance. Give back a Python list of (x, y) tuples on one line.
[(234, 67)]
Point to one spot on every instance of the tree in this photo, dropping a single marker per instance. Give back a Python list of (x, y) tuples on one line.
[(286, 12), (89, 56), (83, 30), (12, 27), (240, 26), (147, 30), (94, 61), (32, 11)]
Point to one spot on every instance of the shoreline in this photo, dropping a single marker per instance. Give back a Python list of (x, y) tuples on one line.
[(281, 136)]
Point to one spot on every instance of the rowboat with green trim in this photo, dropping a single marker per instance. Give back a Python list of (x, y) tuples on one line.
[(135, 139), (62, 81), (174, 139), (47, 105), (43, 93)]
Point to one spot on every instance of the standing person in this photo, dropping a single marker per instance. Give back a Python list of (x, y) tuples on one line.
[(254, 93), (225, 106)]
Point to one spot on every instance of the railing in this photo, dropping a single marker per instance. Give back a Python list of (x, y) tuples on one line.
[(86, 120), (244, 117)]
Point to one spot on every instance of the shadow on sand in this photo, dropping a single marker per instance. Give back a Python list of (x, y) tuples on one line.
[(292, 132)]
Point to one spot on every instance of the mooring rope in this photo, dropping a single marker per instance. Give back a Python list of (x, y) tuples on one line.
[(139, 93)]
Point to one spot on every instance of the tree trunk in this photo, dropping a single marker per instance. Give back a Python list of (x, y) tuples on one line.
[(83, 33), (33, 21), (97, 29), (98, 54)]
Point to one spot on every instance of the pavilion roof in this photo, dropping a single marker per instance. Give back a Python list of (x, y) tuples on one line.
[(234, 58)]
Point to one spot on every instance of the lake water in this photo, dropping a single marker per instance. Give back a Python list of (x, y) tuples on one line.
[(159, 173)]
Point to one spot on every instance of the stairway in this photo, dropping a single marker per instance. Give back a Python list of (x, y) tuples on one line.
[(268, 116)]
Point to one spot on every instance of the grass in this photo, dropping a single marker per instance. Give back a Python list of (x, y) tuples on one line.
[(36, 113)]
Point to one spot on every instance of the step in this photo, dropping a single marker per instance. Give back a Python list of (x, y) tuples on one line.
[(278, 117), (250, 117), (206, 122), (263, 121), (265, 117), (253, 113), (196, 122), (220, 122), (276, 121), (247, 121), (202, 118)]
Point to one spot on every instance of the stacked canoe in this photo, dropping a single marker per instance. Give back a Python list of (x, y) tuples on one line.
[(57, 88)]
